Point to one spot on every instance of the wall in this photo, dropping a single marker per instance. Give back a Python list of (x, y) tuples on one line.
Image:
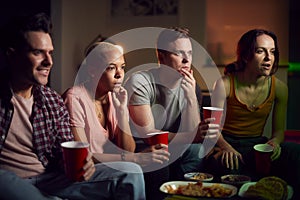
[(228, 20), (77, 22)]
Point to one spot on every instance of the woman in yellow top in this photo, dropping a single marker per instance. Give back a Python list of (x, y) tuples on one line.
[(248, 92)]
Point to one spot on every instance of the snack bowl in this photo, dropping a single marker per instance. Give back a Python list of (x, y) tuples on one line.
[(235, 179), (198, 176)]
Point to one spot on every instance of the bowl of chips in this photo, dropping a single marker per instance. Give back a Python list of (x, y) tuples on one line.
[(198, 176)]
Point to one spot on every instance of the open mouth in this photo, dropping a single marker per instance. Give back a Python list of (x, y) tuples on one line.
[(266, 66)]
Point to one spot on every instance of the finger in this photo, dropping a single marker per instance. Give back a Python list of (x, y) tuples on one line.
[(209, 120), (186, 72), (210, 136), (226, 160), (276, 154), (241, 159), (207, 126), (223, 159), (161, 146), (161, 159), (89, 157), (114, 98), (89, 173), (236, 159), (213, 126), (88, 165), (231, 161), (89, 169), (212, 132), (184, 84)]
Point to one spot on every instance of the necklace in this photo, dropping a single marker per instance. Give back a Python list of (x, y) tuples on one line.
[(258, 92), (100, 105), (99, 110)]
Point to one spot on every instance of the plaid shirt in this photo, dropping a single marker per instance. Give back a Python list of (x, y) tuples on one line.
[(49, 119)]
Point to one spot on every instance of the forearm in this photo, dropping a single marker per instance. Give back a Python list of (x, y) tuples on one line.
[(278, 136), (99, 157), (191, 115), (125, 139), (222, 143)]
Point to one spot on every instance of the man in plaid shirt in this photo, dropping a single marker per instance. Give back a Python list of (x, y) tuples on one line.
[(34, 122)]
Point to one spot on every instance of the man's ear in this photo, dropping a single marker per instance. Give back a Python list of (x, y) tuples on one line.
[(10, 51), (160, 56)]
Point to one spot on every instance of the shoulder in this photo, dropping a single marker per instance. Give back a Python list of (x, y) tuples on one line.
[(141, 76), (223, 82), (74, 91), (281, 88), (139, 80), (280, 84), (47, 92), (48, 97)]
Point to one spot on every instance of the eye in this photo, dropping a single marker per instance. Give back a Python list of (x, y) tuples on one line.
[(272, 52), (36, 52), (259, 51), (177, 53), (110, 68)]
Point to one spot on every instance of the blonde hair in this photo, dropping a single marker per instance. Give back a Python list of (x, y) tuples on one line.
[(97, 53)]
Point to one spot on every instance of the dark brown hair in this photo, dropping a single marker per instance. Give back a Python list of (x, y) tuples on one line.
[(13, 33)]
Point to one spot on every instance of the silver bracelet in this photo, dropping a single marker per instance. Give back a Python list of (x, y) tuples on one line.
[(123, 156)]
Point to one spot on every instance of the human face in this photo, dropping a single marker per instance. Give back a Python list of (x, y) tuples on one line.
[(264, 57), (179, 55), (33, 62), (112, 77)]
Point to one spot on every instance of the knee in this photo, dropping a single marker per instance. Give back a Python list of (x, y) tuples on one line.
[(131, 167), (7, 177)]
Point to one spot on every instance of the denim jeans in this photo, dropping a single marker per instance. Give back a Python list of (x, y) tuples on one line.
[(113, 180)]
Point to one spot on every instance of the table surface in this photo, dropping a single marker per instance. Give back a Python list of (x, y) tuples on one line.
[(179, 197)]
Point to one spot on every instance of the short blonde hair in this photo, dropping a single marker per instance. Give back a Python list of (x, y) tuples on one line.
[(98, 51)]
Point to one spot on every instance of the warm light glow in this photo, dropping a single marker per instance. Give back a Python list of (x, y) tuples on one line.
[(120, 48)]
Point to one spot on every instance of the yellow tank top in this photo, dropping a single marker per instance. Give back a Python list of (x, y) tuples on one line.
[(242, 121)]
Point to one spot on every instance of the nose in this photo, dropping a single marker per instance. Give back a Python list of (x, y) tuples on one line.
[(119, 73), (185, 60), (267, 56), (47, 62), (186, 57)]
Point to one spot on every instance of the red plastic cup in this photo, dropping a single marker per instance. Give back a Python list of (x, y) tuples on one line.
[(210, 112), (263, 154), (158, 138), (74, 154)]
